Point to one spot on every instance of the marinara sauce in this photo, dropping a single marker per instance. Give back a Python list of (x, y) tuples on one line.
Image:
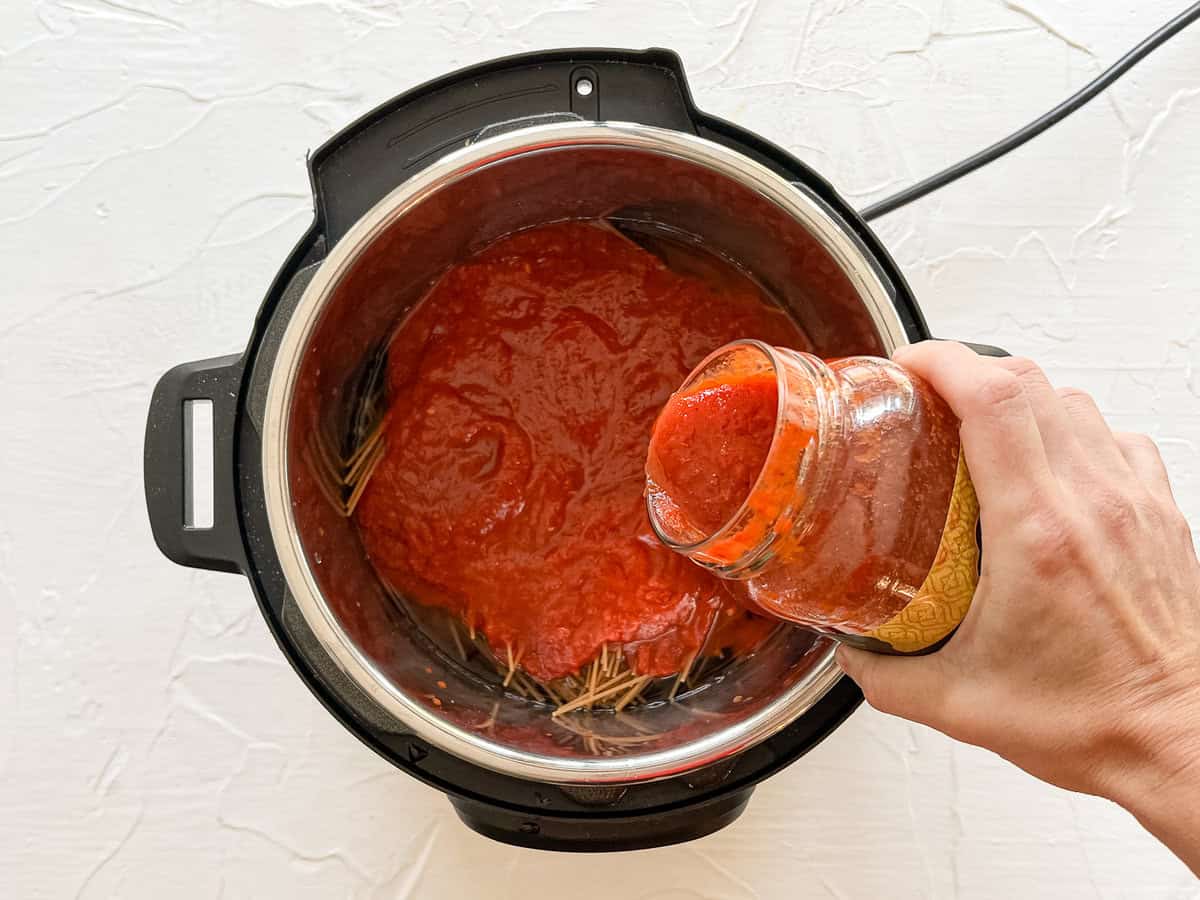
[(522, 390), (829, 493)]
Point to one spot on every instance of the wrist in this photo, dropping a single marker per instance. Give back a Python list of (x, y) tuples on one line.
[(1157, 777)]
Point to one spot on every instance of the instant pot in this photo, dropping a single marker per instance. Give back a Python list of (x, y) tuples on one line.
[(399, 196)]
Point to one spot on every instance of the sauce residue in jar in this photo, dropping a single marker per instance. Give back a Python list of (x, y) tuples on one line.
[(709, 445), (522, 390)]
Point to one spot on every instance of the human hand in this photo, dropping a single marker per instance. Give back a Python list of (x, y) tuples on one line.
[(1079, 660)]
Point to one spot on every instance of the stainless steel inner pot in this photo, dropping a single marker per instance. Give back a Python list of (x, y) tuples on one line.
[(789, 240)]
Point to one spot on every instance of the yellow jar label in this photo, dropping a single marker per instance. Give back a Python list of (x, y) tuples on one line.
[(945, 596)]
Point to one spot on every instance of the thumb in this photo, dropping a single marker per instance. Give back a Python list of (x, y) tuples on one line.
[(912, 687)]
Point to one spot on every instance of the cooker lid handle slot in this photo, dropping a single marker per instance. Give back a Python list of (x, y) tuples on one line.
[(190, 468), (361, 164)]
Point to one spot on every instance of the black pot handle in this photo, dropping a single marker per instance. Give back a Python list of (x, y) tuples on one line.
[(218, 547)]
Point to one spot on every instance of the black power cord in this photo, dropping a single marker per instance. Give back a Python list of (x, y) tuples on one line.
[(1036, 127)]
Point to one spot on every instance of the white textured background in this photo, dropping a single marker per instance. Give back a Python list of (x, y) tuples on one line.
[(153, 743)]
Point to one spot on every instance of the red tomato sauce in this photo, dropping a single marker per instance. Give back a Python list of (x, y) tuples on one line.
[(709, 445), (522, 391)]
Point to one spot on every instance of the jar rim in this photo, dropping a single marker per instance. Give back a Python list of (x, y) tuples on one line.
[(705, 548)]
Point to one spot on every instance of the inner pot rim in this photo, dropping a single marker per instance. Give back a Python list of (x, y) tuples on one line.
[(835, 238)]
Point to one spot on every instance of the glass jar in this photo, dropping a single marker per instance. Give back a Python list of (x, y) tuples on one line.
[(860, 521)]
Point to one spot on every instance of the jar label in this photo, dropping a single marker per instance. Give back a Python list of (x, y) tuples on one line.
[(945, 596)]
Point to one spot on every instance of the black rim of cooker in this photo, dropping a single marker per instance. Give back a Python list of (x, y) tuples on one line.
[(349, 174)]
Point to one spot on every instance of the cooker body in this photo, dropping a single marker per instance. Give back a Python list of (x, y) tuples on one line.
[(329, 315)]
